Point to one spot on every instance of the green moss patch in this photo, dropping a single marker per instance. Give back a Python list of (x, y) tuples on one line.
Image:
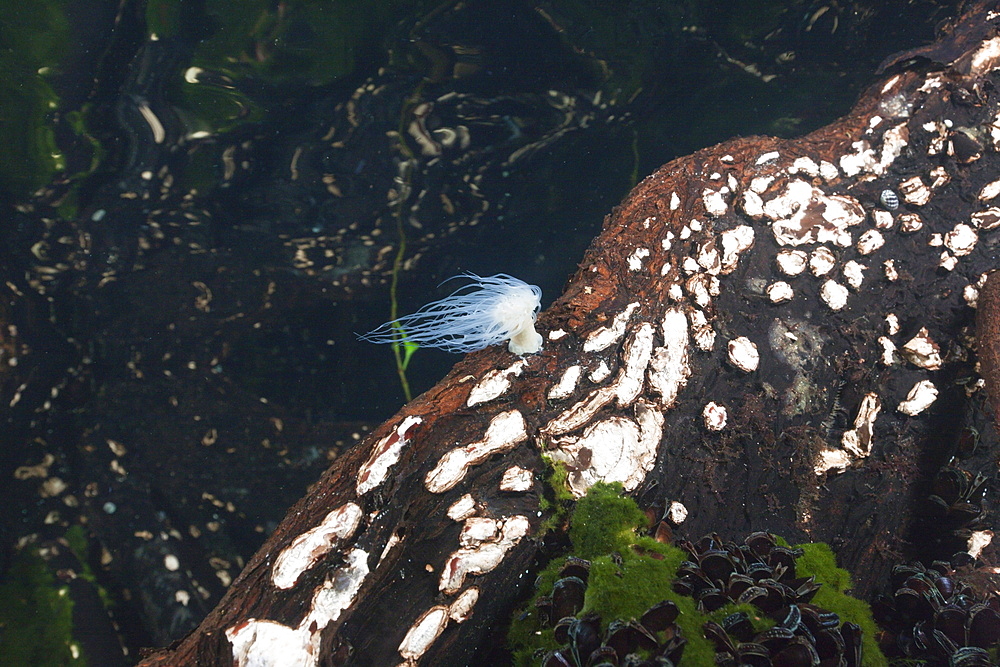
[(819, 561), (629, 573), (36, 616)]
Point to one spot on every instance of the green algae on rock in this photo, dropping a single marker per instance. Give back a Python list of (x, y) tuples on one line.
[(622, 593)]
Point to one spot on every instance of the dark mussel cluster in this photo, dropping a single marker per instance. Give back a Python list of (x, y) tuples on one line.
[(761, 573), (933, 618), (655, 635), (955, 501)]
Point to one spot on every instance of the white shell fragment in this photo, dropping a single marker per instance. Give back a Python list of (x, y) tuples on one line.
[(605, 337), (910, 222), (780, 292), (715, 202), (978, 540), (858, 440), (462, 508), (920, 397), (961, 240), (616, 449), (882, 219), (888, 351), (495, 383), (988, 219), (948, 262), (833, 294), (669, 368), (751, 203), (805, 214), (635, 259), (677, 513), (461, 609), (734, 242), (743, 354), (264, 642), (567, 383), (423, 632), (914, 191), (516, 479), (311, 546), (831, 459), (854, 273), (714, 416), (483, 557), (821, 261), (870, 241), (791, 262), (478, 529), (505, 431), (384, 455), (889, 269), (990, 191), (922, 351)]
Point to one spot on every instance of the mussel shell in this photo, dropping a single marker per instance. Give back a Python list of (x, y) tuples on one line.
[(851, 632), (716, 634), (567, 596), (775, 638), (983, 626), (603, 656), (584, 634), (628, 637), (738, 626), (717, 565), (830, 645), (798, 653), (760, 543), (556, 659), (660, 616), (970, 656), (711, 599), (951, 621), (576, 567), (753, 655)]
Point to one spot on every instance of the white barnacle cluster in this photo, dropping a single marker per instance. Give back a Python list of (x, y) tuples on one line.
[(265, 642), (487, 311)]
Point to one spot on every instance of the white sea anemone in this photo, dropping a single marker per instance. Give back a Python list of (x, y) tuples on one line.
[(485, 312)]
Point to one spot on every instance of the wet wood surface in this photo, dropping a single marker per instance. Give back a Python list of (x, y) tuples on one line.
[(850, 260)]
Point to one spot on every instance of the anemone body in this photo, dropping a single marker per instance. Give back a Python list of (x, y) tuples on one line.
[(487, 311)]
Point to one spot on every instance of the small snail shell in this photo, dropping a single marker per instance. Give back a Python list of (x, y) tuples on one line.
[(889, 199)]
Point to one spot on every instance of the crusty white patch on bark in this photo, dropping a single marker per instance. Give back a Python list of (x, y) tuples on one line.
[(605, 337), (495, 384), (616, 449), (384, 455), (258, 642), (483, 557), (505, 431), (311, 546)]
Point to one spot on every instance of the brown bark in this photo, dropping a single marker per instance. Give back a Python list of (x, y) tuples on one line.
[(826, 438)]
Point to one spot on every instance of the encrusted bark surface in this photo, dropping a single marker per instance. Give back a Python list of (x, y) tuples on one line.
[(760, 334)]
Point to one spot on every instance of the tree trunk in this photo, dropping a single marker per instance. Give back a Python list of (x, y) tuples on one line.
[(767, 335)]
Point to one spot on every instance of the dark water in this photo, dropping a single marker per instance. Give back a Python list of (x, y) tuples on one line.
[(204, 202)]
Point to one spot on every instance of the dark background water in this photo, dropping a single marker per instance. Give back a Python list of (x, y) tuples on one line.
[(203, 202)]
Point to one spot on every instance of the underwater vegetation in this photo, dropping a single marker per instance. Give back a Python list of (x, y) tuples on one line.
[(623, 598)]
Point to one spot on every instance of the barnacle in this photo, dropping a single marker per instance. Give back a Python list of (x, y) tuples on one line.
[(488, 311)]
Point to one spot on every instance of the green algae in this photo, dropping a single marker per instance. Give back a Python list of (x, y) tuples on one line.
[(36, 616), (819, 561), (630, 572)]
